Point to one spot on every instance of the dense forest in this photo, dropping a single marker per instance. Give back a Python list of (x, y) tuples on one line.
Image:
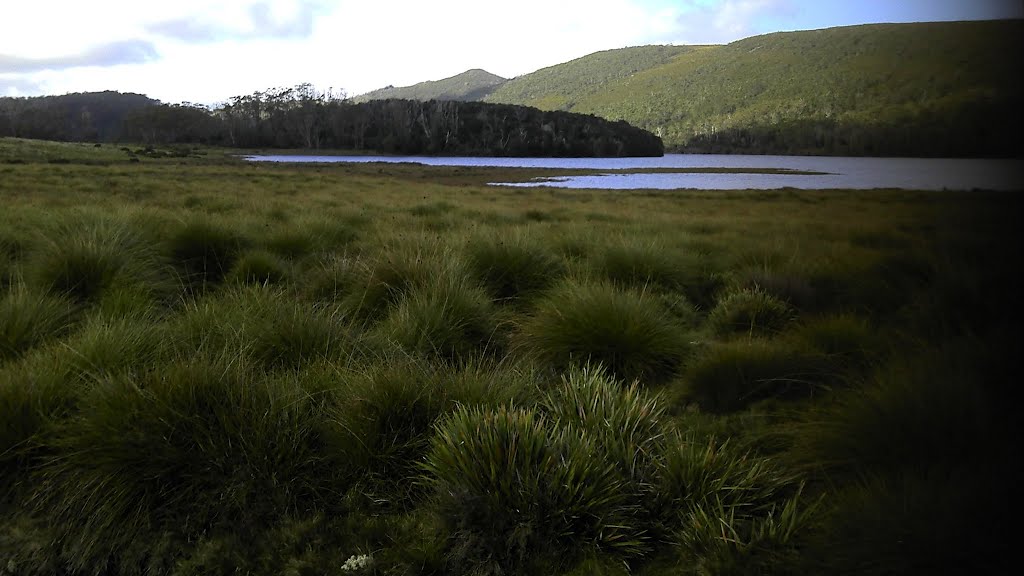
[(303, 117), (926, 89)]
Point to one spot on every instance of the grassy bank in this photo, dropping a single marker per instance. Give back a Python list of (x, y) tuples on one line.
[(214, 367)]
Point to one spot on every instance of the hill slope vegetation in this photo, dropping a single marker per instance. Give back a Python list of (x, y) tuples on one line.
[(925, 89), (472, 84)]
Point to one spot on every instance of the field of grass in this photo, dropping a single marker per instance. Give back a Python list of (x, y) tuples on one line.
[(213, 367)]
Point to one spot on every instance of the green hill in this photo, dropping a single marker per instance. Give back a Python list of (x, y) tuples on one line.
[(470, 85), (924, 89)]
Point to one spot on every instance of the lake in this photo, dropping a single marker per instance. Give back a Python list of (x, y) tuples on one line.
[(840, 172)]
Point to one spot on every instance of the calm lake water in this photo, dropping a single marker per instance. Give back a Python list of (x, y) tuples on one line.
[(841, 172)]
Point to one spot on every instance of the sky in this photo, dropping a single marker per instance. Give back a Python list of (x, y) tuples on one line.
[(205, 51)]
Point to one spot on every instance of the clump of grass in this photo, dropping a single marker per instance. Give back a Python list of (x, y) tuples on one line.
[(732, 375), (330, 280), (258, 267), (638, 265), (197, 446), (630, 335), (204, 251), (734, 512), (28, 319), (292, 335), (794, 289), (520, 495), (626, 420), (291, 243), (32, 398), (512, 268), (848, 342), (627, 425), (83, 259), (387, 413), (111, 346), (384, 280), (447, 319), (749, 311)]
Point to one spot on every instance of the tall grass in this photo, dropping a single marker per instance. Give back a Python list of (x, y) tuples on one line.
[(204, 251), (29, 318), (83, 258), (733, 375), (196, 446), (519, 495), (512, 267), (626, 332), (753, 312), (447, 319)]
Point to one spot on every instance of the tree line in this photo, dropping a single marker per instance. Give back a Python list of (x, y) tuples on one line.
[(303, 117)]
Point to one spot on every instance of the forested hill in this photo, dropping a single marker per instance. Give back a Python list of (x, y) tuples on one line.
[(928, 89), (87, 116), (473, 84)]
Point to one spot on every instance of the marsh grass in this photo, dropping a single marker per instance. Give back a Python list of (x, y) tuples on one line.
[(158, 416), (634, 264), (520, 495), (730, 376), (752, 312), (627, 332), (512, 267), (382, 281), (197, 445), (258, 267), (30, 318), (84, 257), (204, 251), (447, 319)]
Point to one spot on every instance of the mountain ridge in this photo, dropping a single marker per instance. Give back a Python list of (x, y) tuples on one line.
[(936, 88)]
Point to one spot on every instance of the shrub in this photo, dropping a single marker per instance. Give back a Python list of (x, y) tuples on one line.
[(28, 319), (520, 495), (749, 311), (730, 376), (512, 268), (448, 320), (628, 334)]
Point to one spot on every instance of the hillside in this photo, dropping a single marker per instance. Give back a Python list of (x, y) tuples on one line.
[(919, 89), (473, 84)]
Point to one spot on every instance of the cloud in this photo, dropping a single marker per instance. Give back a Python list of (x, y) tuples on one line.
[(258, 20), (723, 21), (104, 55), (19, 86)]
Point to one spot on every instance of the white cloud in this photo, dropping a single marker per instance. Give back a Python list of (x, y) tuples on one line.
[(209, 51)]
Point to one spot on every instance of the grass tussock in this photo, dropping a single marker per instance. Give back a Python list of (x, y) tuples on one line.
[(753, 312), (733, 375), (84, 258), (452, 321), (512, 267), (204, 251), (626, 332), (276, 369), (29, 318), (198, 445), (519, 494)]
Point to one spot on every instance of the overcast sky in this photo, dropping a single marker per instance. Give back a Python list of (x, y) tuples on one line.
[(208, 50)]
